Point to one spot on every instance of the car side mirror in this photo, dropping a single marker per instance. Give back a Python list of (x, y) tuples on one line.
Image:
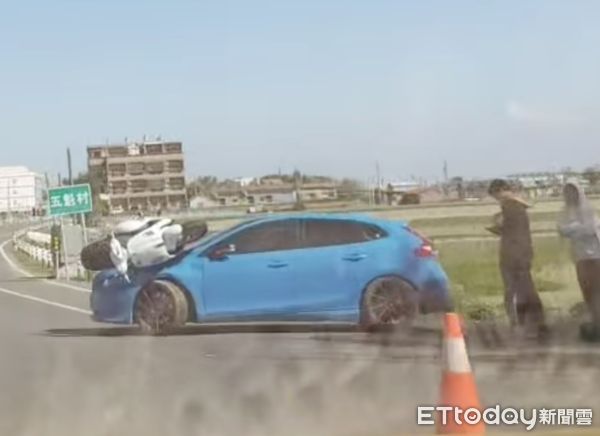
[(221, 252)]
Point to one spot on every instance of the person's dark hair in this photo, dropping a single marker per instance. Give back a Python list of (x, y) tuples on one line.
[(498, 185), (571, 194)]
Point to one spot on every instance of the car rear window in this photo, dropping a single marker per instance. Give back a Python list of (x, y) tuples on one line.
[(319, 233)]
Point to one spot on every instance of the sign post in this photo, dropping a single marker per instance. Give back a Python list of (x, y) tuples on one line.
[(70, 200), (64, 247)]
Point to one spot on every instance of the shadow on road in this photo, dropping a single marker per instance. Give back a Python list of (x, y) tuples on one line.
[(376, 334), (207, 330), (415, 337)]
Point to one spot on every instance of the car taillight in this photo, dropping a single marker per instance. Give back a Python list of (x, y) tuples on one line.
[(425, 250)]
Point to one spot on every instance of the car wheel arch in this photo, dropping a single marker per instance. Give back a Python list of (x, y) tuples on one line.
[(192, 308), (383, 276)]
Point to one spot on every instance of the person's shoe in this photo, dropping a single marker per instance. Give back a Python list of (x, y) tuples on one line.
[(543, 333)]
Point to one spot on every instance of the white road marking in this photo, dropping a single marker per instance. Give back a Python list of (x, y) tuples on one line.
[(10, 262), (68, 286), (20, 270), (44, 301)]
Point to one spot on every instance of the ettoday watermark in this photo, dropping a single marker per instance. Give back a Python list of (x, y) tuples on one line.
[(497, 415)]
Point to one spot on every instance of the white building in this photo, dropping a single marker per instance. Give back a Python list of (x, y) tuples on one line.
[(245, 181), (20, 189)]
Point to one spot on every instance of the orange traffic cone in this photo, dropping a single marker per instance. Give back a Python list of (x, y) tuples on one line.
[(458, 388)]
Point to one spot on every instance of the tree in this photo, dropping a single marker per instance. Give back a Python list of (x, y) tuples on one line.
[(350, 185), (458, 184), (81, 178), (592, 175), (202, 185), (389, 194)]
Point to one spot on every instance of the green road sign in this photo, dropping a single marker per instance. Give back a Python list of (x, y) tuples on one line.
[(68, 200)]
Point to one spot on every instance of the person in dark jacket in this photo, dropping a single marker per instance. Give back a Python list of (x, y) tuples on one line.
[(522, 302), (579, 223)]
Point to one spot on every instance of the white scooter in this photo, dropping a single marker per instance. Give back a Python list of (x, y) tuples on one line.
[(141, 243)]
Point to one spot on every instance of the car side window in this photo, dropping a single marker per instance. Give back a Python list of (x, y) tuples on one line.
[(270, 236), (321, 233)]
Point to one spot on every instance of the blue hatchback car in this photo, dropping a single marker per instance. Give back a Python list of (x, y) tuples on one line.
[(306, 267)]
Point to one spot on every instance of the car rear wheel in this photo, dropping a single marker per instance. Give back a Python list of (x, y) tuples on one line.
[(161, 306), (389, 301)]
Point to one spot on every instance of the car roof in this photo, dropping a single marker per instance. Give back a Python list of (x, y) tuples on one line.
[(321, 216)]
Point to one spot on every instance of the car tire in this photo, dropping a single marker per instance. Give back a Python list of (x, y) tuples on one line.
[(96, 256), (388, 302), (161, 307)]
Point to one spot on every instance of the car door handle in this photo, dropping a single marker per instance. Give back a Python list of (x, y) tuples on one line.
[(355, 257), (276, 264)]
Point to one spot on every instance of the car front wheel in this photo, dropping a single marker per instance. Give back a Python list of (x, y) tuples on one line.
[(161, 306), (389, 301)]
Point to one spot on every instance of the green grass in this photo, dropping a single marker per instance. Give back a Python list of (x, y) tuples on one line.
[(463, 226), (472, 267)]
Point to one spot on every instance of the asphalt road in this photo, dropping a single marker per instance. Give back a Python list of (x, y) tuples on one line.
[(61, 374)]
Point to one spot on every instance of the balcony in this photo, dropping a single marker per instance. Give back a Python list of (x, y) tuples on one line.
[(135, 168), (173, 147), (176, 183), (175, 166), (117, 151), (155, 167), (138, 186)]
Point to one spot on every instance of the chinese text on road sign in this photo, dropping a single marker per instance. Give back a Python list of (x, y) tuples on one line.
[(68, 200)]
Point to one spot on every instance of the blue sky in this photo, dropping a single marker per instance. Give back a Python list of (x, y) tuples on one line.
[(325, 86)]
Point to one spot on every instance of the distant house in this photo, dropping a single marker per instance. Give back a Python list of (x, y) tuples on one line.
[(256, 195), (276, 180), (245, 181), (317, 192), (543, 185), (402, 192), (202, 201), (431, 195)]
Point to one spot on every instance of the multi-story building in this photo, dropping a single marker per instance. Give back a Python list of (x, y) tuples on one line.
[(145, 175), (21, 190)]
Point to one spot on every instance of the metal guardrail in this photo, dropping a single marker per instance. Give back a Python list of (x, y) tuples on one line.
[(36, 245), (39, 254), (39, 237)]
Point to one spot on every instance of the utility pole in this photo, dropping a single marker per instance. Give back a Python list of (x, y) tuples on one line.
[(377, 191), (69, 166), (445, 171), (445, 186)]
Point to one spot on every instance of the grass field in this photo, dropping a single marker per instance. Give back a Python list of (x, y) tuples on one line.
[(469, 255), (477, 286)]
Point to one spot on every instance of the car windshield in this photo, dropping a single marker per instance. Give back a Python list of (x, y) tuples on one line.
[(216, 235)]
